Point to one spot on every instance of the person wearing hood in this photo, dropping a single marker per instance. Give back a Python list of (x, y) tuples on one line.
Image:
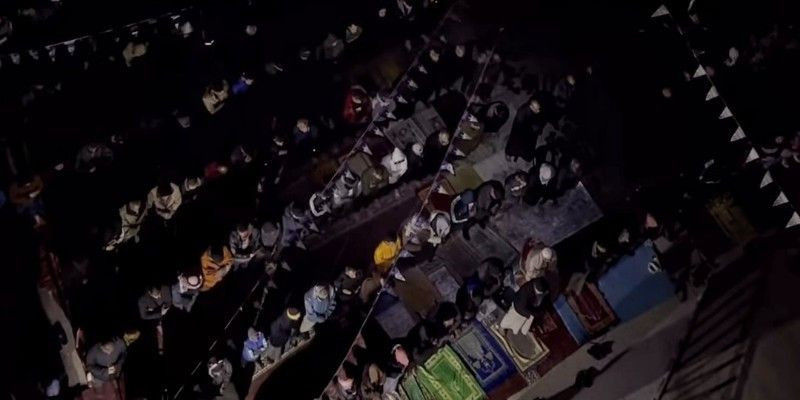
[(271, 239), (463, 209), (374, 179), (527, 300), (320, 302), (528, 125), (245, 244), (92, 157), (296, 224), (131, 216), (357, 106), (536, 261), (104, 362), (185, 291), (386, 252), (516, 185), (490, 196), (153, 305), (396, 164), (165, 199), (542, 185), (281, 331), (254, 347), (415, 154), (215, 263)]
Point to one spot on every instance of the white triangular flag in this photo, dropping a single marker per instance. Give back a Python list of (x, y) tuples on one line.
[(780, 200), (766, 180), (738, 134), (712, 93), (751, 156), (795, 220), (726, 113), (700, 71), (661, 11)]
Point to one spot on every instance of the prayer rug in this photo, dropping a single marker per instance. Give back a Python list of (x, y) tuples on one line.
[(549, 223), (417, 291), (393, 316), (485, 357), (631, 289), (571, 321), (591, 309), (526, 350), (551, 331), (442, 377)]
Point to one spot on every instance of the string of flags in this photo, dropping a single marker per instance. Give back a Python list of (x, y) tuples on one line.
[(131, 30), (726, 114)]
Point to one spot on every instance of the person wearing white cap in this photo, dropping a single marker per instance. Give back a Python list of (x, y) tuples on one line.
[(542, 185), (185, 291), (396, 164), (319, 303), (536, 261)]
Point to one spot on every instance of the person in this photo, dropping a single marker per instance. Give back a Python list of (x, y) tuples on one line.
[(296, 224), (440, 227), (516, 184), (527, 300), (493, 115), (104, 362), (153, 305), (131, 216), (563, 91), (372, 381), (281, 331), (462, 211), (185, 291), (92, 157), (348, 285), (220, 371), (345, 386), (245, 244), (320, 304), (396, 364), (215, 263), (536, 261), (435, 330), (215, 96), (25, 193), (396, 165), (254, 347), (191, 187), (319, 204), (386, 252), (357, 106), (347, 188), (436, 146), (165, 199), (528, 125), (374, 179), (569, 176), (305, 136), (542, 185), (270, 240)]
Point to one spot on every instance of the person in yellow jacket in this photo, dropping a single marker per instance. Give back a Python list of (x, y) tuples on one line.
[(215, 262), (386, 252)]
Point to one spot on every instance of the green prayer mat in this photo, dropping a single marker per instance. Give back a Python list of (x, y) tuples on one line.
[(442, 377)]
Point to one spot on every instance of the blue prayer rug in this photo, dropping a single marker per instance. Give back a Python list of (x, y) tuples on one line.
[(484, 357)]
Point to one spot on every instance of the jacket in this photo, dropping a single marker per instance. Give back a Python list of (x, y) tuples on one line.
[(165, 206), (281, 330), (214, 271), (239, 248), (184, 300), (98, 362), (150, 307), (318, 310), (527, 300), (252, 349), (385, 254), (130, 223)]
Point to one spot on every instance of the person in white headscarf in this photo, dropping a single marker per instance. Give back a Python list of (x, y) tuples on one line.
[(396, 165), (542, 185), (165, 199), (537, 261)]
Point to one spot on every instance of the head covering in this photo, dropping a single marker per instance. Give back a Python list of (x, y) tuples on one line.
[(269, 234), (191, 282), (546, 173), (417, 149), (538, 261), (186, 29), (293, 313), (321, 291)]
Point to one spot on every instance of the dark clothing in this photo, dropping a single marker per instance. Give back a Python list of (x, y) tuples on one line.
[(536, 191), (490, 196), (150, 307), (348, 288), (525, 132), (281, 330), (526, 300), (98, 362)]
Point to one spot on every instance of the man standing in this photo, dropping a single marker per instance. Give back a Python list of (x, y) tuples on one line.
[(280, 332), (104, 361), (319, 303), (153, 305)]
